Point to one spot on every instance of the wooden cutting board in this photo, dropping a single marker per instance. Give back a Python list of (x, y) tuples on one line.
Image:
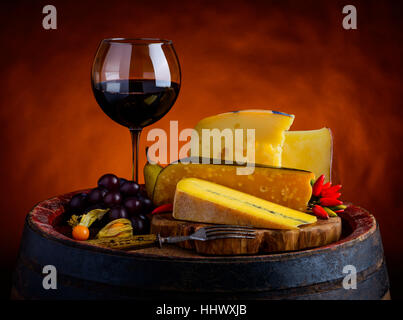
[(318, 234)]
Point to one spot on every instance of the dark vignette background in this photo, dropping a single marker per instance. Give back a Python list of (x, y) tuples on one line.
[(292, 56)]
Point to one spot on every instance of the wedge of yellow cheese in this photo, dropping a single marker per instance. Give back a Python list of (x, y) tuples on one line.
[(310, 150), (269, 129), (203, 201), (288, 187)]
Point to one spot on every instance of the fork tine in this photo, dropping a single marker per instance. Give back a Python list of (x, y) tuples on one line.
[(224, 232)]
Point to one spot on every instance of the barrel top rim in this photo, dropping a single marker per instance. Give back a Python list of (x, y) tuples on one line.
[(43, 214)]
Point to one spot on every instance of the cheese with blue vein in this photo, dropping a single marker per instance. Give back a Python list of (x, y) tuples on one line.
[(203, 201)]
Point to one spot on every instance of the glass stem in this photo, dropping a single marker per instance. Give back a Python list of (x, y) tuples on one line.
[(135, 134)]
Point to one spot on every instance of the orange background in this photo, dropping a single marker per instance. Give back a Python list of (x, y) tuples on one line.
[(291, 56)]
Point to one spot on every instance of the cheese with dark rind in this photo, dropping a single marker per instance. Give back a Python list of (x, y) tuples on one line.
[(287, 187), (203, 201), (310, 150)]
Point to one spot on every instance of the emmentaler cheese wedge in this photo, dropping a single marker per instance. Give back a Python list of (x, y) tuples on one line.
[(203, 201)]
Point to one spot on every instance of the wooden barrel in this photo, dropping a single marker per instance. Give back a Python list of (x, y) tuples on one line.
[(86, 272)]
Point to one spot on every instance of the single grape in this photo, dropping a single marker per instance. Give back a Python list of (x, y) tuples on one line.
[(96, 195), (143, 191), (129, 188), (117, 212), (109, 181), (122, 181), (103, 191), (138, 224), (147, 205), (142, 216), (78, 202), (146, 221), (112, 198), (133, 205)]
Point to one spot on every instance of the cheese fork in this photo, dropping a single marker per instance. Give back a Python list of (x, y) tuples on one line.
[(202, 234)]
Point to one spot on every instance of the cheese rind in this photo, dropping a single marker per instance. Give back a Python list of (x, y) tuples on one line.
[(269, 129), (310, 150), (202, 201), (288, 187)]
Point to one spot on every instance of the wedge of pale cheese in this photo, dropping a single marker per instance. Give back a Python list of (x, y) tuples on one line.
[(203, 201), (310, 150), (269, 127)]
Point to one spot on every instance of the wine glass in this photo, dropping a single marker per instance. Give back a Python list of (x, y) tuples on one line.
[(136, 82)]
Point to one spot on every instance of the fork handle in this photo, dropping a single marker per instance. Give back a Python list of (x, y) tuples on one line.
[(132, 242), (173, 239)]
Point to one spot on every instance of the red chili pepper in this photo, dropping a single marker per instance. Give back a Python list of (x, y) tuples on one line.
[(335, 195), (320, 212), (318, 185), (163, 208), (335, 188), (339, 211), (326, 186), (330, 202), (330, 190)]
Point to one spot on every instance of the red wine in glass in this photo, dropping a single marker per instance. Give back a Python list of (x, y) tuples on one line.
[(136, 82), (135, 103)]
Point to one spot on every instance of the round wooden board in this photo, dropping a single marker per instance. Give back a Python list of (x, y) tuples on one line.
[(314, 235)]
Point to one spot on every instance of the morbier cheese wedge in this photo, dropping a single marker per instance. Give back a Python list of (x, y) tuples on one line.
[(309, 150), (288, 187), (269, 135), (203, 201)]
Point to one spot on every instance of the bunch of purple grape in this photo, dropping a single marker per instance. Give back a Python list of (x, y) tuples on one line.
[(126, 199)]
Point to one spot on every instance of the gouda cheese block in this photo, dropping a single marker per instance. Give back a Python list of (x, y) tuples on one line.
[(269, 129), (203, 201), (288, 187)]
